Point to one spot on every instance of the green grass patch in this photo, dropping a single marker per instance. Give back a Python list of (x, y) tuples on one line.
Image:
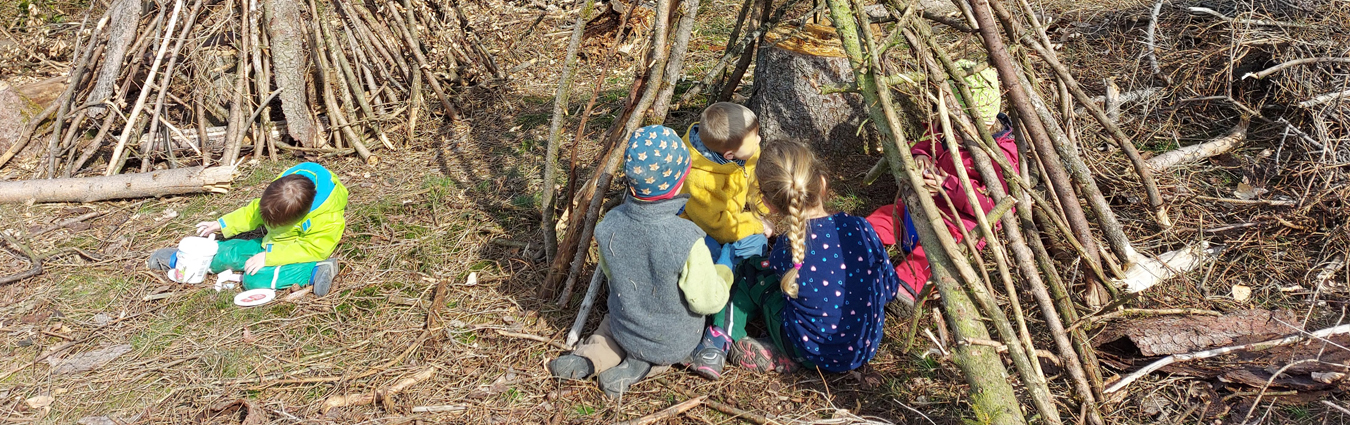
[(846, 202), (95, 293), (528, 122), (583, 410)]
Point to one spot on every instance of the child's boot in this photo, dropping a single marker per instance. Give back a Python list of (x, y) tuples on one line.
[(571, 366), (324, 271), (162, 259), (761, 355), (711, 354), (616, 380)]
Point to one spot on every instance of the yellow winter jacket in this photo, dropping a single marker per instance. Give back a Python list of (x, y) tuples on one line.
[(718, 196)]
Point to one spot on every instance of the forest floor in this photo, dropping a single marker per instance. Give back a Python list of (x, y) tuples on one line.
[(438, 210)]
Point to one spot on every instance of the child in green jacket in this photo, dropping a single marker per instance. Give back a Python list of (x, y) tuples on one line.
[(302, 211)]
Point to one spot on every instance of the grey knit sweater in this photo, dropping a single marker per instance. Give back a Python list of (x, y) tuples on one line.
[(645, 246)]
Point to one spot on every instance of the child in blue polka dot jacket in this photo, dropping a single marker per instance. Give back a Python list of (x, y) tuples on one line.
[(824, 286)]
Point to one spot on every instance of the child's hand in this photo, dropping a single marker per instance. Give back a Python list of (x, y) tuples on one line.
[(206, 228), (933, 180), (923, 164), (932, 175), (255, 263), (768, 227)]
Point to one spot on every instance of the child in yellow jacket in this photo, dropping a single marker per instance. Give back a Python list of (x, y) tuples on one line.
[(727, 144), (726, 140)]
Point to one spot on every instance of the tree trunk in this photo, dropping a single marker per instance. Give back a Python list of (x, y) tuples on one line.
[(123, 23), (790, 73), (138, 185), (286, 29)]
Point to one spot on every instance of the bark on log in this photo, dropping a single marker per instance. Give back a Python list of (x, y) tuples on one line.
[(133, 185), (791, 69), (1201, 151), (16, 111), (123, 25), (288, 33)]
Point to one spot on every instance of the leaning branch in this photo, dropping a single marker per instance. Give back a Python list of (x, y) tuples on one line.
[(1177, 358)]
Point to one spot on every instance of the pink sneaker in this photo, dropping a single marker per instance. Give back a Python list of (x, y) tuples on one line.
[(760, 355)]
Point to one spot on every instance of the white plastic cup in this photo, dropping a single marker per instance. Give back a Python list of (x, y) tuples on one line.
[(194, 259)]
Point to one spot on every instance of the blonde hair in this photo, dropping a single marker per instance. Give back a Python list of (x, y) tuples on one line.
[(724, 126), (790, 180)]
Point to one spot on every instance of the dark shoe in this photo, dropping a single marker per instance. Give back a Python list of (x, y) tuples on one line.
[(615, 381), (571, 366), (323, 276), (708, 363), (760, 355), (162, 259)]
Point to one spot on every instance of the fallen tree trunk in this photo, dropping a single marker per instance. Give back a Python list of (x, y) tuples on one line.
[(1201, 151), (138, 185)]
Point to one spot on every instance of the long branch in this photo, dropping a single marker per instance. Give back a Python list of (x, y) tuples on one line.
[(996, 401)]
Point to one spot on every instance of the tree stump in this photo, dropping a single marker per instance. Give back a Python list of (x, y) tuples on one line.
[(794, 64)]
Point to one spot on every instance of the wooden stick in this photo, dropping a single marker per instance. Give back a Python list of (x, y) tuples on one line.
[(66, 223), (1019, 340), (1126, 145), (721, 407), (675, 66), (1255, 346), (1307, 104), (747, 56), (164, 83), (235, 128), (668, 413), (537, 338), (27, 134), (982, 367), (1056, 174), (548, 200), (361, 399), (145, 92), (64, 101), (584, 312), (416, 48), (1201, 151), (746, 40), (660, 55), (33, 260), (1149, 41)]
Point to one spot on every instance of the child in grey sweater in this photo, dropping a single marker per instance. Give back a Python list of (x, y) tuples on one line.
[(662, 277)]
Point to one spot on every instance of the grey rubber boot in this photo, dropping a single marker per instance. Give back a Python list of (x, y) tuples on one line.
[(161, 259), (614, 382), (571, 366), (324, 271)]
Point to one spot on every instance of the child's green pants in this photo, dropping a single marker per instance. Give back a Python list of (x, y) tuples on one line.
[(232, 254), (756, 293)]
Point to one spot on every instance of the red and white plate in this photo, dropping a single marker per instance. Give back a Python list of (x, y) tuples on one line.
[(254, 297)]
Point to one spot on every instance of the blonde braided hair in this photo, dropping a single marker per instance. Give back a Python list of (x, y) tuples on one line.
[(790, 180)]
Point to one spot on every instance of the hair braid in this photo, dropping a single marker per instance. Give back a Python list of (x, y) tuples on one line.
[(796, 237), (790, 179)]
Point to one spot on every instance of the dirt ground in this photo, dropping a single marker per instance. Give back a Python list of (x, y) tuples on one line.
[(439, 209)]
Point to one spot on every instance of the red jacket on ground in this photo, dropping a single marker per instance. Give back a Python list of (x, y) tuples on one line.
[(913, 270)]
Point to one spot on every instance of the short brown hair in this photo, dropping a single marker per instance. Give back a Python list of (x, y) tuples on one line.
[(725, 125), (286, 200)]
